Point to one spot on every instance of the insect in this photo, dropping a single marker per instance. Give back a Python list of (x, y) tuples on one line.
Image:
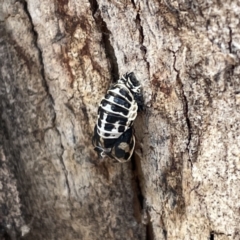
[(113, 133)]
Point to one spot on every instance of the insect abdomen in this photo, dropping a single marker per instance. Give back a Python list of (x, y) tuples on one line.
[(116, 113), (113, 133)]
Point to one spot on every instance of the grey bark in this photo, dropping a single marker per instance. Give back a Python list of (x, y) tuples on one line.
[(58, 58)]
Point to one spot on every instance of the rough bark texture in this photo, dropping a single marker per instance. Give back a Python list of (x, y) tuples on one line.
[(57, 59)]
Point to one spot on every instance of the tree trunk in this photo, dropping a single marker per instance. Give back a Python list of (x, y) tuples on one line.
[(58, 58)]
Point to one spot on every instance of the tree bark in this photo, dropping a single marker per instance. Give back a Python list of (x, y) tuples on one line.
[(58, 58)]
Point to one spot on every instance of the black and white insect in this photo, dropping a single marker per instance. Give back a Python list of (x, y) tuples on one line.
[(113, 133)]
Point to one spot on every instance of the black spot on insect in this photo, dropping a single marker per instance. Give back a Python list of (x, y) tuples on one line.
[(127, 155), (122, 102), (104, 103), (99, 123), (109, 127), (121, 128), (113, 134), (126, 94), (100, 112), (108, 143), (121, 154), (114, 118), (107, 96), (118, 109)]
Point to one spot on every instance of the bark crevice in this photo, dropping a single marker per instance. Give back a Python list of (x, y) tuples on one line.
[(141, 39), (40, 55), (230, 48), (211, 237), (185, 103), (149, 229), (138, 20), (140, 209), (63, 165), (106, 42), (138, 194), (46, 88), (230, 39)]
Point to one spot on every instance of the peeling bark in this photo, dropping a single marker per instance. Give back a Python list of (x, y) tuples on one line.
[(58, 58)]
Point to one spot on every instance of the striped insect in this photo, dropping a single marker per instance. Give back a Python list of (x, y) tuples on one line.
[(113, 133)]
